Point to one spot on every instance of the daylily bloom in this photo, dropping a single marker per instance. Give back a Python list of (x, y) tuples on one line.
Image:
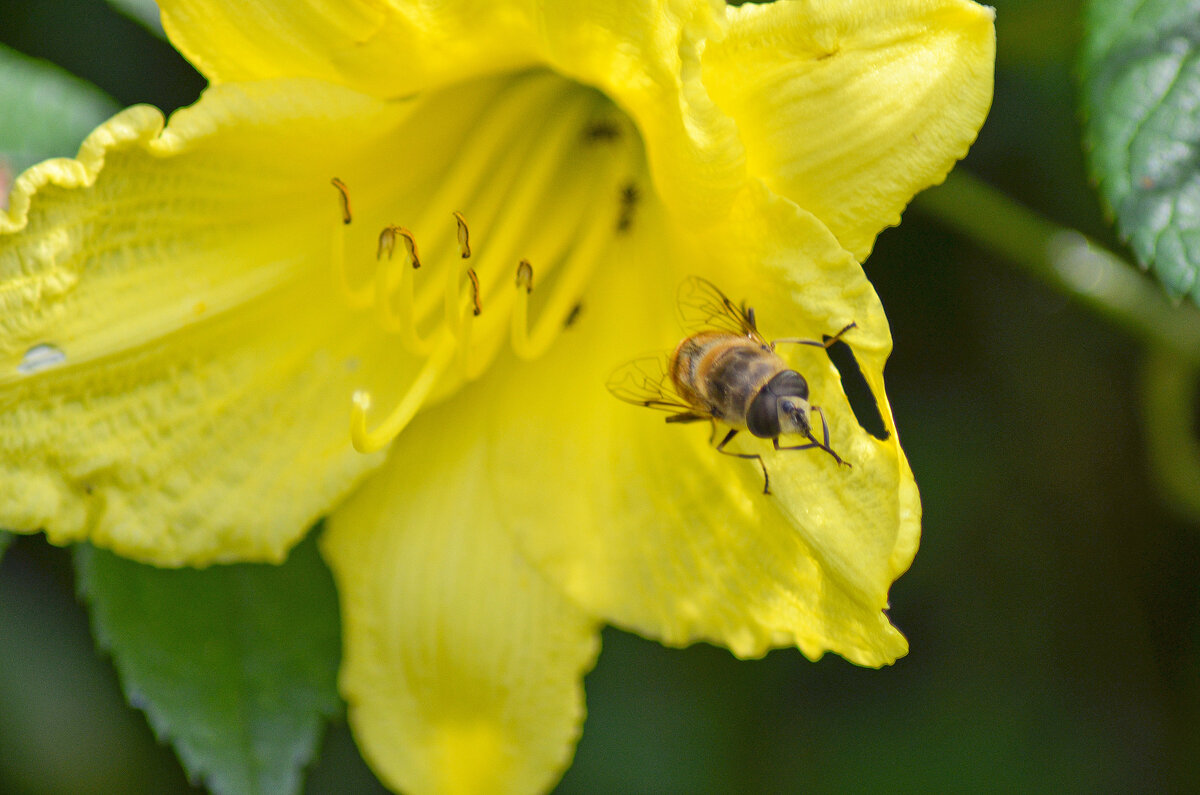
[(215, 333)]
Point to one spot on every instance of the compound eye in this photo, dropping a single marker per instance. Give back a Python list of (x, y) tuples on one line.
[(762, 418)]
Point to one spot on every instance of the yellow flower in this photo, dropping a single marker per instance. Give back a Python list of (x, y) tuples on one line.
[(190, 331)]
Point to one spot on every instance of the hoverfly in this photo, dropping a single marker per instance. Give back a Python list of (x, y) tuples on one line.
[(725, 371)]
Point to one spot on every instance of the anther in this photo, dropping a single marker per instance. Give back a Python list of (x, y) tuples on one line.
[(573, 315), (345, 194), (399, 319), (601, 130), (368, 441), (629, 201), (476, 306), (387, 243), (410, 243), (464, 236), (525, 276)]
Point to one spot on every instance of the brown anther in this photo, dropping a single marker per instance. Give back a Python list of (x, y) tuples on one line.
[(602, 130), (345, 194), (477, 305), (387, 243), (464, 239), (629, 200), (525, 276), (410, 243), (573, 315)]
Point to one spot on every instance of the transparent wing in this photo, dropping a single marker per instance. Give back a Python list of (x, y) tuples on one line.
[(645, 382), (702, 305)]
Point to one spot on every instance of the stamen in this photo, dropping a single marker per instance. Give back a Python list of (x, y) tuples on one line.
[(601, 130), (402, 319), (508, 202), (464, 236), (366, 441), (515, 192), (526, 345), (479, 344), (472, 166), (356, 297), (344, 192), (569, 286), (410, 244), (476, 306), (387, 243), (475, 163), (525, 275), (471, 362), (629, 201)]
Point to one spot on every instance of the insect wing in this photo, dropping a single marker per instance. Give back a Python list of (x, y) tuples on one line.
[(645, 382), (702, 305)]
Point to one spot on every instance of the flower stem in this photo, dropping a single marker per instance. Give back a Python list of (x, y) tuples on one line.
[(1079, 267), (1066, 260), (1169, 390)]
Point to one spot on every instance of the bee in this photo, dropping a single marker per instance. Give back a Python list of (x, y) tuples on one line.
[(726, 372)]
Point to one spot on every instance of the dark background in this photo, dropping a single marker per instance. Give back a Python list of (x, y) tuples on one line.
[(1052, 610)]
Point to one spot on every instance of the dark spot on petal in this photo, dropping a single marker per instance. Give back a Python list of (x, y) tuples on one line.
[(858, 391)]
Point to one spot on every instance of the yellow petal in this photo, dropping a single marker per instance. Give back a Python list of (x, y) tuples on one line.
[(390, 49), (644, 524), (174, 380), (644, 55), (850, 108), (463, 668), (184, 339), (850, 111)]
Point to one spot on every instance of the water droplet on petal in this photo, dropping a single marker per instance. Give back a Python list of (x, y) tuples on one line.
[(41, 357)]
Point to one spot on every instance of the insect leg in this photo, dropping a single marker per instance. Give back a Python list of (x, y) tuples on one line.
[(813, 441), (683, 416), (728, 438), (824, 423), (815, 343)]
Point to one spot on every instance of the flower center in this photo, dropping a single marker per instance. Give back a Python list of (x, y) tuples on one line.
[(533, 194)]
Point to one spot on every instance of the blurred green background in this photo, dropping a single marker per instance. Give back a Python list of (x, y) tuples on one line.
[(1053, 610)]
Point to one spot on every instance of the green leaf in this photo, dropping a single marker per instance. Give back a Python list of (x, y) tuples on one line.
[(5, 539), (44, 112), (144, 12), (235, 666), (1141, 79)]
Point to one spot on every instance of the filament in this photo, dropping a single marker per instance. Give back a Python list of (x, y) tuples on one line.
[(519, 190), (576, 271), (472, 363), (368, 441), (402, 319), (355, 297)]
